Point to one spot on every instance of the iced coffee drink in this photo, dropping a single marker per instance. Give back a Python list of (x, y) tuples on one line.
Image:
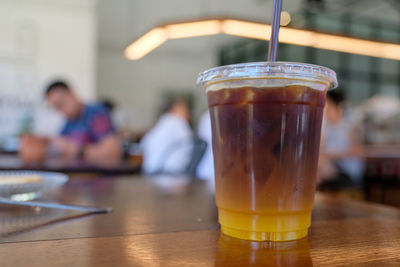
[(266, 123)]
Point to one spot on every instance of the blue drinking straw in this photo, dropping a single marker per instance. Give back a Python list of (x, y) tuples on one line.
[(273, 41)]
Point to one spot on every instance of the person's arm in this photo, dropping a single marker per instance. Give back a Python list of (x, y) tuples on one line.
[(64, 147), (333, 155), (106, 151), (324, 155), (107, 146), (356, 148), (178, 152), (33, 149)]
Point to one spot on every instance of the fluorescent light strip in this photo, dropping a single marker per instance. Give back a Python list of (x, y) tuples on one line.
[(146, 44), (246, 29), (357, 46), (296, 37), (193, 29), (159, 35)]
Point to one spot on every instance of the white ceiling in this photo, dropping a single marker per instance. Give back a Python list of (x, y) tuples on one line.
[(122, 21)]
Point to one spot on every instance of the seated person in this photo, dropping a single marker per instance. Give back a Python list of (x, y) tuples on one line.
[(88, 132), (167, 147), (340, 163)]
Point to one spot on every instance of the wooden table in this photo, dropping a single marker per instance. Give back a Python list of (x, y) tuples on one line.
[(177, 226), (13, 162)]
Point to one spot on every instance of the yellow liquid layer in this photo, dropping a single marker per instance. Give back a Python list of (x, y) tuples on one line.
[(262, 227)]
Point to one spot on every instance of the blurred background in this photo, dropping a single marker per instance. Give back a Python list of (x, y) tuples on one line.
[(83, 42)]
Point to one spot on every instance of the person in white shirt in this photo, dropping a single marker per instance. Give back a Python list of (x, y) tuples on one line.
[(167, 147), (341, 158), (205, 169)]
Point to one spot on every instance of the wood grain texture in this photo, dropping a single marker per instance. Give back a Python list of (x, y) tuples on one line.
[(140, 205), (154, 227), (327, 245)]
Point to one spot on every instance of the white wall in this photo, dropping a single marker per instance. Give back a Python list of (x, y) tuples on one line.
[(42, 40), (137, 86)]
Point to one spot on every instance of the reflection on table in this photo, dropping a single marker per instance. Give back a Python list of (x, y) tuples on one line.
[(230, 251)]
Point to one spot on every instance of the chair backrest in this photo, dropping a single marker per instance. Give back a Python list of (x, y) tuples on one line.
[(199, 148)]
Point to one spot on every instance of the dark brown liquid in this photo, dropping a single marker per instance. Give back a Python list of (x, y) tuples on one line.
[(266, 146)]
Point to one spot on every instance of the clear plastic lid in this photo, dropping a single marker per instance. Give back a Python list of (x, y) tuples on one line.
[(269, 70)]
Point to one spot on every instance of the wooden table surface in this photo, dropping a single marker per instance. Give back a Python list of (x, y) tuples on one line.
[(157, 225), (13, 162)]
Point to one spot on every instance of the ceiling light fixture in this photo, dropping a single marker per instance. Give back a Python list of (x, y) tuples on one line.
[(145, 44), (246, 29), (193, 29), (157, 36), (285, 18)]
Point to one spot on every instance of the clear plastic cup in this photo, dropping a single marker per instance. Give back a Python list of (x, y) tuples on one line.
[(266, 125)]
